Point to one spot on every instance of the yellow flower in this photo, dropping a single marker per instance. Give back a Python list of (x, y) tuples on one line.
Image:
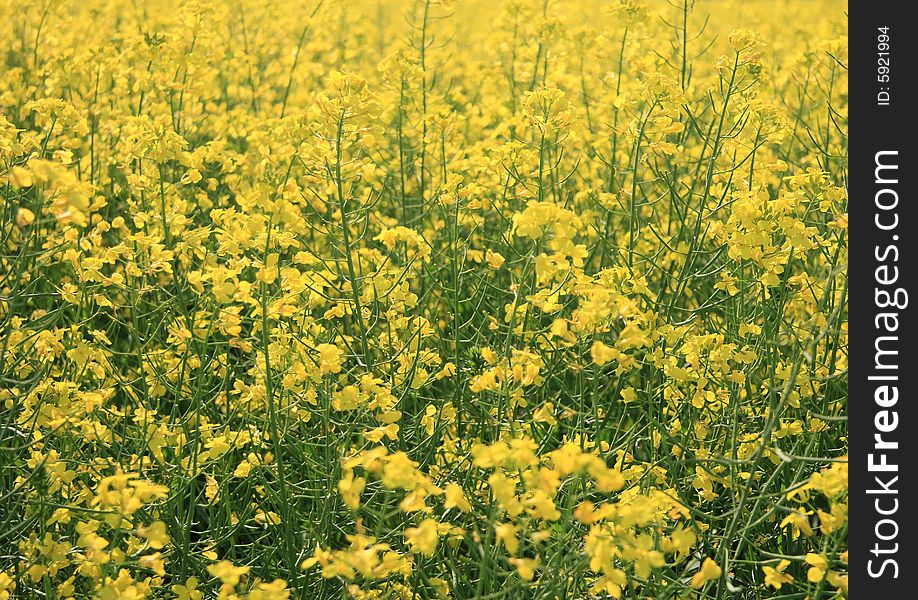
[(227, 572), (526, 567), (494, 259), (7, 585), (276, 590), (603, 354), (455, 498), (819, 564), (156, 535), (330, 358), (799, 522), (22, 178), (188, 591), (441, 587), (775, 576), (507, 534), (709, 571), (24, 217), (545, 414), (192, 176), (424, 537), (351, 487)]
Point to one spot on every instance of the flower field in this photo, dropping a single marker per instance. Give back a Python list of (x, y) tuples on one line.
[(407, 299)]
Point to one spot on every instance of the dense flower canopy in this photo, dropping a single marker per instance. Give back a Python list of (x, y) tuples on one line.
[(423, 299)]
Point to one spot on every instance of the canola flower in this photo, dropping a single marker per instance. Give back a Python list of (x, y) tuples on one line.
[(423, 299)]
